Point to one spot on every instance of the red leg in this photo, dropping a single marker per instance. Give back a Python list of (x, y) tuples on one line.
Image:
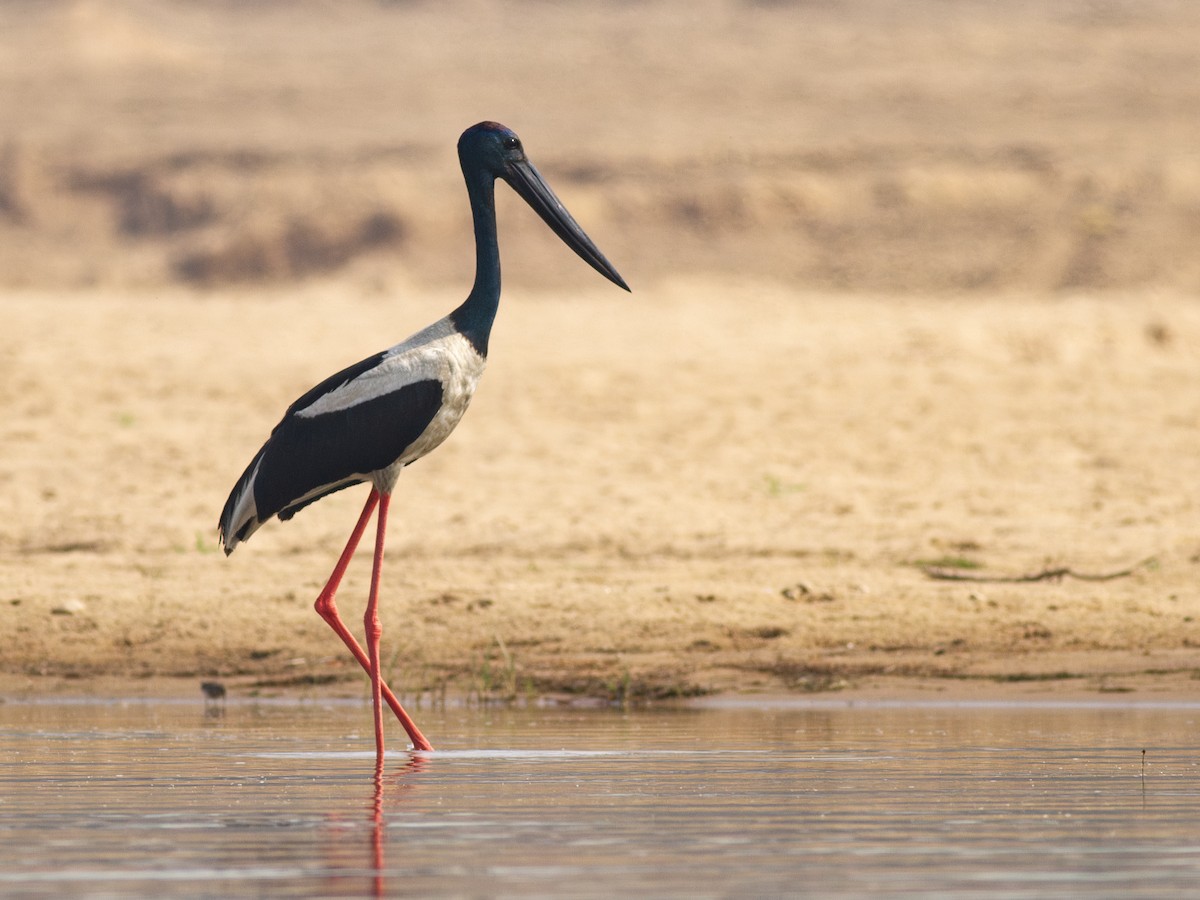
[(372, 629), (327, 609)]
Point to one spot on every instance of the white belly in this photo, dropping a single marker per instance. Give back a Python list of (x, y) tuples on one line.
[(460, 373)]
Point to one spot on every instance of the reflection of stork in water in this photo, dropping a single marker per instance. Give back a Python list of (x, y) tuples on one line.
[(369, 421), (414, 765)]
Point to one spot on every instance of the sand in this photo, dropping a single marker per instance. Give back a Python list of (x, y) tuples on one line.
[(914, 297)]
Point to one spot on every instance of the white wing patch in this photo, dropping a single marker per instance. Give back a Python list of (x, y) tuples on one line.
[(434, 354), (244, 510)]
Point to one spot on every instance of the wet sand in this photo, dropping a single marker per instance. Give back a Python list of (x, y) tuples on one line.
[(658, 494)]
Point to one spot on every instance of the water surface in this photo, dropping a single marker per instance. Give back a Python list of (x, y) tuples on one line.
[(107, 799)]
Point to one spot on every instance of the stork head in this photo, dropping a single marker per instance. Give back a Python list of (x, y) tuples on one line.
[(491, 149)]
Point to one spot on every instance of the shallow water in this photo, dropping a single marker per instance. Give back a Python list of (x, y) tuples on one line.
[(819, 798)]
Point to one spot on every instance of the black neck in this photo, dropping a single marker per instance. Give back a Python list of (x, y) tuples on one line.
[(475, 316)]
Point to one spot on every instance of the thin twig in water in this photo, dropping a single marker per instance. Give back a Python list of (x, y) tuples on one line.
[(1055, 574)]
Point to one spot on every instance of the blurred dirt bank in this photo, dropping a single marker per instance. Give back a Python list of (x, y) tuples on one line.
[(861, 145), (914, 283)]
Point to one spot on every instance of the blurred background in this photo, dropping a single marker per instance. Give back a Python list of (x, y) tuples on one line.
[(863, 145)]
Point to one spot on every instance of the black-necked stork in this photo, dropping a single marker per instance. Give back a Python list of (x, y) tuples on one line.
[(370, 420)]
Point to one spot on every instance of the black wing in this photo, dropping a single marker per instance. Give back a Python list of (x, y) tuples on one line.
[(307, 458), (336, 449)]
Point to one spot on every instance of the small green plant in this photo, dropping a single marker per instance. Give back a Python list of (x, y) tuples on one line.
[(619, 689), (497, 682), (777, 487)]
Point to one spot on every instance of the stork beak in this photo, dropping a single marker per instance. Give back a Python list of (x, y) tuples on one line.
[(529, 183)]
